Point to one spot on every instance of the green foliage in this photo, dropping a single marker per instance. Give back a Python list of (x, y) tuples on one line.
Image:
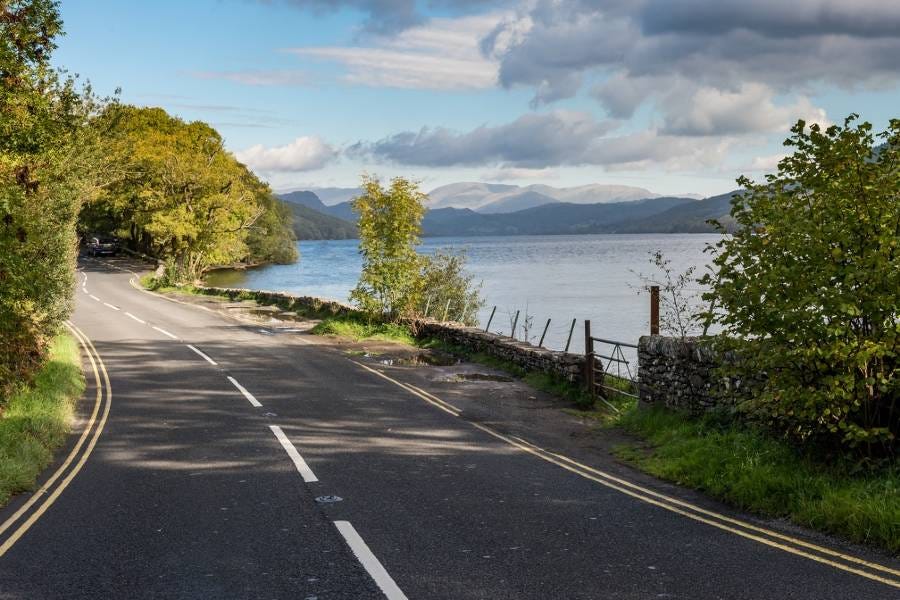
[(807, 287), (271, 239), (37, 418), (46, 168), (389, 228), (447, 289), (360, 329), (174, 192), (751, 470)]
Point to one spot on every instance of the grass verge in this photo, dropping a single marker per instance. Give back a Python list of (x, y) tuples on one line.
[(751, 470), (35, 419), (360, 329)]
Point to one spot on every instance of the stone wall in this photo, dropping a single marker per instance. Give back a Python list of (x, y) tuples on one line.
[(680, 374), (303, 304), (530, 358)]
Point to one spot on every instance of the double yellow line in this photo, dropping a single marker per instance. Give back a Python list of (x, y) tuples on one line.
[(21, 521), (744, 529)]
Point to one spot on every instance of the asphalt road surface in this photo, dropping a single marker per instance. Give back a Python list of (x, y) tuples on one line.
[(215, 459)]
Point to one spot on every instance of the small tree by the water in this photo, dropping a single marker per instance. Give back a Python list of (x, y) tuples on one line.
[(808, 287), (390, 224)]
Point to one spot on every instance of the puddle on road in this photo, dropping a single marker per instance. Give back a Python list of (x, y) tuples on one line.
[(425, 359), (481, 377)]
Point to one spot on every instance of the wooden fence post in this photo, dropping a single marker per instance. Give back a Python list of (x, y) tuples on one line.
[(571, 330), (543, 335), (589, 359), (515, 322), (654, 310), (490, 319)]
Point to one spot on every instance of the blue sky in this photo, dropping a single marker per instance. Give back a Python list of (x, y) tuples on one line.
[(675, 97)]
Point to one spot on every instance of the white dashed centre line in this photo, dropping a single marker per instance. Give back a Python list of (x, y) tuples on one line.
[(128, 314), (369, 562), (111, 306), (164, 332), (95, 297), (302, 467), (244, 391), (203, 356)]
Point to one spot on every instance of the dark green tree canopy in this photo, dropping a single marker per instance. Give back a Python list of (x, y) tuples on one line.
[(807, 286)]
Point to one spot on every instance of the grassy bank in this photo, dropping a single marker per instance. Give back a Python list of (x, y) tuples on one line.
[(35, 420), (360, 329), (749, 469)]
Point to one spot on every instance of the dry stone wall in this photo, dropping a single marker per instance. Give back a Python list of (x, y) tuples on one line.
[(565, 365), (681, 374)]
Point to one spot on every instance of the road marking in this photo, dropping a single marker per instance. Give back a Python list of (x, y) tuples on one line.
[(143, 322), (663, 501), (95, 297), (111, 306), (371, 564), (164, 332), (97, 430), (433, 400), (244, 391), (203, 356), (302, 467)]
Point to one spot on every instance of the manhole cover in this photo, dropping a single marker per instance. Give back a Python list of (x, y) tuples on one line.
[(328, 499)]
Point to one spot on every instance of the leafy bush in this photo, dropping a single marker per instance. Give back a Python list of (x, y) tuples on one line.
[(807, 288), (448, 290)]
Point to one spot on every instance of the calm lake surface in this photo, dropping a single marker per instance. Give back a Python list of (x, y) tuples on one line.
[(557, 277)]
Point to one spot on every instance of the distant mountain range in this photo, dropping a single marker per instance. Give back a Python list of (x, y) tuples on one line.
[(318, 220), (501, 198)]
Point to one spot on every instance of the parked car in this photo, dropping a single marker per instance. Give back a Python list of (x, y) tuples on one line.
[(102, 246)]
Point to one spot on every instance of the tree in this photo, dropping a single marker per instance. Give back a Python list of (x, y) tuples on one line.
[(46, 168), (807, 287), (390, 224), (177, 194)]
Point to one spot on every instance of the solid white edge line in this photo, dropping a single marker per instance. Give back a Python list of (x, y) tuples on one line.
[(202, 355), (141, 321), (302, 467), (164, 332), (371, 564), (95, 297), (111, 306), (244, 391)]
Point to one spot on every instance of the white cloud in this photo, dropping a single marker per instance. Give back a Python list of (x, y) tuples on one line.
[(749, 109), (306, 153), (766, 163), (442, 54)]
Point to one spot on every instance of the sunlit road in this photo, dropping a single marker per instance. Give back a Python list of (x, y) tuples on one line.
[(221, 460)]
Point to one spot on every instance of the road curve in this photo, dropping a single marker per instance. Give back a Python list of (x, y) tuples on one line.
[(219, 460)]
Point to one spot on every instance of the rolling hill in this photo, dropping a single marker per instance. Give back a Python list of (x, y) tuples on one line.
[(315, 220)]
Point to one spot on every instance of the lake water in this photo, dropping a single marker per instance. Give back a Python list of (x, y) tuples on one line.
[(557, 277)]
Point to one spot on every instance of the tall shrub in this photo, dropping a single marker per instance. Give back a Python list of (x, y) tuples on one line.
[(45, 170), (390, 224), (808, 287)]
